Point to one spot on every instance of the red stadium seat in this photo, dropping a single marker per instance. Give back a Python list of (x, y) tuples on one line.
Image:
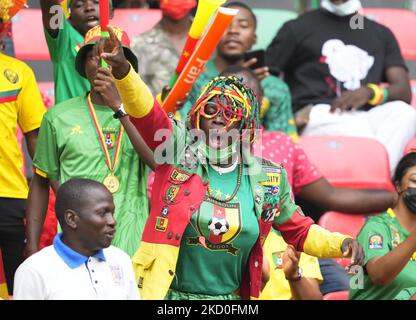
[(48, 94), (344, 223), (136, 21), (413, 85), (339, 295), (349, 161), (340, 222), (401, 22), (29, 39)]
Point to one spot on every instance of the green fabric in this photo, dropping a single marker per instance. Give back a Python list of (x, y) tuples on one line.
[(63, 50), (392, 234), (269, 21), (279, 117), (406, 294), (178, 295), (68, 146), (230, 249)]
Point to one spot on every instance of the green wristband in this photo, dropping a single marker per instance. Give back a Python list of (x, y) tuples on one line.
[(385, 95)]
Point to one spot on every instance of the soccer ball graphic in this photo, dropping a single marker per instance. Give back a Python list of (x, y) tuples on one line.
[(218, 226)]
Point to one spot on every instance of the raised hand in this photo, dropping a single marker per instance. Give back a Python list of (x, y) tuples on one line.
[(111, 50)]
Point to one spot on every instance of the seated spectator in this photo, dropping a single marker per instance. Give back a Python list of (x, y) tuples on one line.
[(334, 75), (159, 49), (81, 264), (275, 111), (389, 241)]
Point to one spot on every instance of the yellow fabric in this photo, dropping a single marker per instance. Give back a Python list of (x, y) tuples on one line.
[(154, 267), (4, 294), (323, 243), (136, 96), (26, 109), (391, 213), (41, 173), (278, 287), (378, 94)]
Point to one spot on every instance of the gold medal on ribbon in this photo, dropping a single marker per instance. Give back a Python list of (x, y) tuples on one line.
[(112, 183)]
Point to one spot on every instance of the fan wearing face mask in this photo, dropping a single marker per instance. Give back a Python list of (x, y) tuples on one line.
[(159, 49), (334, 61), (389, 241)]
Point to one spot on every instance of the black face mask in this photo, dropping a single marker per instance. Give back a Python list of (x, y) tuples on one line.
[(410, 199)]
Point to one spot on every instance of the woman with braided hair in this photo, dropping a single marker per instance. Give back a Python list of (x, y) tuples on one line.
[(212, 204)]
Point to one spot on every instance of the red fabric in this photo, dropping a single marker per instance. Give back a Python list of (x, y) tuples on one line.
[(295, 230), (147, 126), (50, 225), (339, 295), (349, 162), (179, 212), (401, 22), (280, 148)]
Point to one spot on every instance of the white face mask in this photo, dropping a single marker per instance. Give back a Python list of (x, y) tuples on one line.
[(342, 10)]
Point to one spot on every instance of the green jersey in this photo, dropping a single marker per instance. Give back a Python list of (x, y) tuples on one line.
[(68, 146), (63, 50), (230, 230), (276, 111), (379, 235)]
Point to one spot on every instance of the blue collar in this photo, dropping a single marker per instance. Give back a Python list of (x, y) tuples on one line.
[(72, 258)]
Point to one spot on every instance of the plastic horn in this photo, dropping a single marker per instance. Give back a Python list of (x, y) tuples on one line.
[(104, 17), (204, 11), (199, 58)]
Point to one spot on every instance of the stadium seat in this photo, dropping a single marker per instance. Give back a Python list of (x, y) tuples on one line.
[(349, 161), (136, 21), (28, 37), (401, 22), (48, 94), (339, 295), (340, 222), (413, 85), (269, 22), (344, 223), (27, 25)]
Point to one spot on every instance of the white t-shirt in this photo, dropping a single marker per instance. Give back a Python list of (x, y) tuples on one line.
[(52, 275)]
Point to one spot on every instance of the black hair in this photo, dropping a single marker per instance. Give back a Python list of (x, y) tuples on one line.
[(405, 163), (249, 76), (232, 70), (72, 195), (245, 6)]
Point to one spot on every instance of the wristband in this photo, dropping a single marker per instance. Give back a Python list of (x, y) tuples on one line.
[(386, 95), (378, 94), (120, 112)]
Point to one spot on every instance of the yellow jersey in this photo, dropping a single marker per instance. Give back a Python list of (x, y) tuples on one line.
[(278, 288), (20, 105)]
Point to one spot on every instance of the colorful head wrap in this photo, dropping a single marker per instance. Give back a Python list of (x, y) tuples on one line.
[(231, 96)]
